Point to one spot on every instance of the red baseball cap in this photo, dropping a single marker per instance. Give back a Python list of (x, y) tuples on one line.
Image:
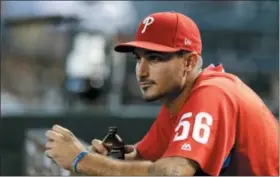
[(165, 32)]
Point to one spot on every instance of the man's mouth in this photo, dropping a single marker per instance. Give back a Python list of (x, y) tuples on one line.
[(145, 84)]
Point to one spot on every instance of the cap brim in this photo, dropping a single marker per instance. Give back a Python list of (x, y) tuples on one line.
[(130, 46)]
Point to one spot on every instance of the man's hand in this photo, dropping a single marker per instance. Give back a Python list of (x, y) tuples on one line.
[(62, 146), (98, 147)]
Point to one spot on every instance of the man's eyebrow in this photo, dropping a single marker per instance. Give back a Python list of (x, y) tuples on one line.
[(153, 52), (136, 54), (148, 53)]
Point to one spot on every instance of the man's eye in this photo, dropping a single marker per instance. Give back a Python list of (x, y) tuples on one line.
[(154, 58), (136, 57)]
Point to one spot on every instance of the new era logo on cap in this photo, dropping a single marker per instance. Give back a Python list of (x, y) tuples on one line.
[(165, 32), (188, 42)]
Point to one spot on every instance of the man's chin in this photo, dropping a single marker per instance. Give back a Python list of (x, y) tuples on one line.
[(151, 98)]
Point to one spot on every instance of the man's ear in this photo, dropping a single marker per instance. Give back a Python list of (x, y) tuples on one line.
[(190, 61)]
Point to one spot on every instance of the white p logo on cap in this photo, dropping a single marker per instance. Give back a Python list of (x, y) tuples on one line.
[(147, 21)]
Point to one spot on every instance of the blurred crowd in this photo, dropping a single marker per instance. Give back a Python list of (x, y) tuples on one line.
[(58, 55)]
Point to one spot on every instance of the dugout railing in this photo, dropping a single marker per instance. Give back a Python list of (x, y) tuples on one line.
[(15, 131)]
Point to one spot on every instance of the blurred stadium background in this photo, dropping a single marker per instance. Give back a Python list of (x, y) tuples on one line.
[(58, 66)]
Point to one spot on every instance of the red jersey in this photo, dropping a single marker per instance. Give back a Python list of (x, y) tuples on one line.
[(221, 119)]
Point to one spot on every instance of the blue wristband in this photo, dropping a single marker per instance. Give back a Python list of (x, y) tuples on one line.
[(77, 160)]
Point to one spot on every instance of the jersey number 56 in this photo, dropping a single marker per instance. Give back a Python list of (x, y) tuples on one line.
[(198, 126)]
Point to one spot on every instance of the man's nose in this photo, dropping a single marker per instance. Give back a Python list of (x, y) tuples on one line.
[(142, 68)]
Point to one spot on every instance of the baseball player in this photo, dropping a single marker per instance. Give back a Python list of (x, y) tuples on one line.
[(210, 123)]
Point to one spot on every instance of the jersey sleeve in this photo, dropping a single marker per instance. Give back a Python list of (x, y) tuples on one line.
[(205, 132), (154, 143)]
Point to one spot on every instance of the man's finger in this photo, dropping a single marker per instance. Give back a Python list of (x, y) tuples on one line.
[(51, 135), (128, 148), (65, 132), (96, 141), (49, 153), (98, 147), (49, 145)]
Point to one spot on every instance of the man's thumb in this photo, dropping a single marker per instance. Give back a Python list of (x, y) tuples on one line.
[(128, 148)]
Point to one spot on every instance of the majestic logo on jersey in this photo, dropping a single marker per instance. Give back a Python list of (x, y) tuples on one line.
[(186, 147), (147, 21)]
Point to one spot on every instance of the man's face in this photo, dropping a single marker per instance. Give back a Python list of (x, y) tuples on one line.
[(160, 75)]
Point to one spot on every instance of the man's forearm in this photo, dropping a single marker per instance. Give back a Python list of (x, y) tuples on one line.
[(95, 164)]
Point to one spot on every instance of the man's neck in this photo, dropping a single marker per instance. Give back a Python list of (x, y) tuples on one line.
[(174, 105)]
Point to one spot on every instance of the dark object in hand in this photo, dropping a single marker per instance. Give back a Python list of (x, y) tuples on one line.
[(114, 144)]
